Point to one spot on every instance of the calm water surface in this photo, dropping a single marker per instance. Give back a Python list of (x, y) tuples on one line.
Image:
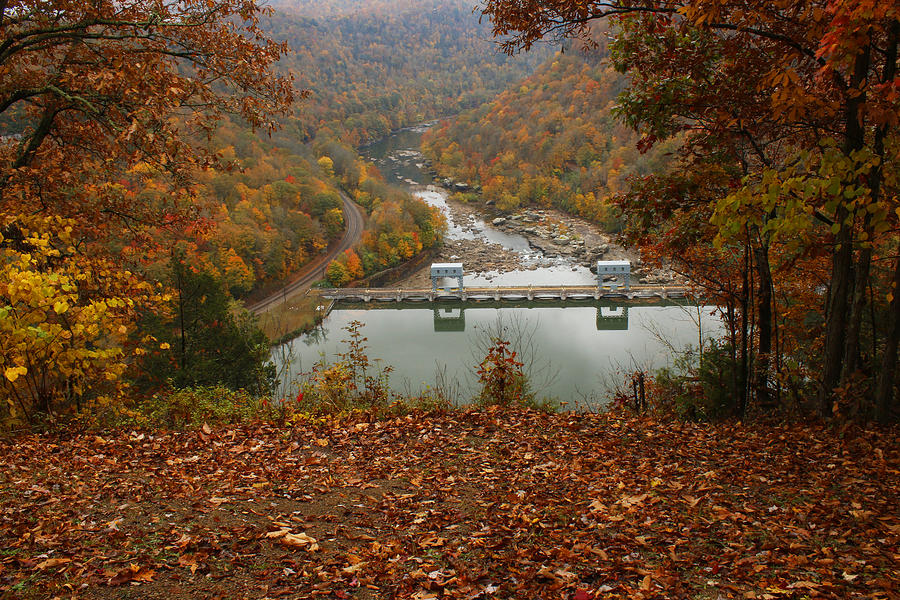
[(575, 353)]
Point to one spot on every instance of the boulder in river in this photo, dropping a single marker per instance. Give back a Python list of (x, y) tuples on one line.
[(499, 221)]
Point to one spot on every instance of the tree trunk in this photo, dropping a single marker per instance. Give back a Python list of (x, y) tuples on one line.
[(179, 282), (842, 260), (742, 370), (884, 392), (857, 307), (764, 317)]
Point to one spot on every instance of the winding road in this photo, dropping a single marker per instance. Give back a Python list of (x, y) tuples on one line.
[(355, 220)]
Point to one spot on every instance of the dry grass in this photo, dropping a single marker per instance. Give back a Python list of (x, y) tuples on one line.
[(295, 315)]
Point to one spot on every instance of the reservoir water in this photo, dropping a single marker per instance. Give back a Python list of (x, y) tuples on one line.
[(575, 352)]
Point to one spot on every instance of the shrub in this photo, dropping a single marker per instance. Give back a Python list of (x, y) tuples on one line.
[(501, 376), (192, 407), (349, 383), (700, 386)]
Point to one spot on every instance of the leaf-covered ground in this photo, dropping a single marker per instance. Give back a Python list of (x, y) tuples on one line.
[(475, 504)]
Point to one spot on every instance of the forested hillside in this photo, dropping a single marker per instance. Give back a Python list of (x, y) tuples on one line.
[(369, 68), (255, 222), (553, 140), (147, 202), (373, 67), (273, 210)]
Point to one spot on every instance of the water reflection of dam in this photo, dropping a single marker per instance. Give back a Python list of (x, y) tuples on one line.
[(449, 319), (609, 318), (451, 316)]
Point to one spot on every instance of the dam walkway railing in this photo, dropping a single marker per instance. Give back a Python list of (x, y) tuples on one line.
[(516, 293)]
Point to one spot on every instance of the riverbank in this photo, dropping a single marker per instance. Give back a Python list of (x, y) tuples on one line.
[(555, 239), (460, 504)]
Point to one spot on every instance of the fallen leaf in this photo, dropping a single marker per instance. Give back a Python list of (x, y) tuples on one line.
[(278, 534), (53, 562), (353, 568), (132, 574), (144, 575), (299, 540), (629, 501)]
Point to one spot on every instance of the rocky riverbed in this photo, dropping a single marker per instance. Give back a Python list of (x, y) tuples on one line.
[(555, 239)]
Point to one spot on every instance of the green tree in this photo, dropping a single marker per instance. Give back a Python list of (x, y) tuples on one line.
[(337, 274), (204, 340)]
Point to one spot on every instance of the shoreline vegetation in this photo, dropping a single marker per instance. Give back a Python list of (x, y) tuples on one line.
[(302, 313)]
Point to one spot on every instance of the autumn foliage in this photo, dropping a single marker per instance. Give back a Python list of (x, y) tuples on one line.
[(65, 321), (96, 96), (399, 225), (376, 66), (553, 140), (784, 204)]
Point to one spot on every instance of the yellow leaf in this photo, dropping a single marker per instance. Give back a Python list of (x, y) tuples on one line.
[(13, 373)]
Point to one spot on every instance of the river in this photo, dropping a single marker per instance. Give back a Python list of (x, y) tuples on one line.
[(577, 353)]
